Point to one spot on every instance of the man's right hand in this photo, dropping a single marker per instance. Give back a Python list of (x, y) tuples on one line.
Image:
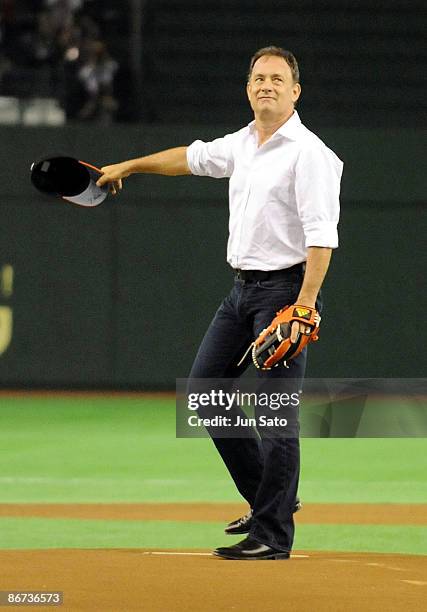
[(113, 175)]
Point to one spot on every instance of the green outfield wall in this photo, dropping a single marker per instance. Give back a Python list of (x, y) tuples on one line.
[(119, 296)]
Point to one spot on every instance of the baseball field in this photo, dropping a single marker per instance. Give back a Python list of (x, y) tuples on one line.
[(101, 501)]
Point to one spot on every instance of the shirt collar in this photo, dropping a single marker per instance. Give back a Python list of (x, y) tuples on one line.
[(290, 129)]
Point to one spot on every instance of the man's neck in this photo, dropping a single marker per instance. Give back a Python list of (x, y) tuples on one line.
[(266, 126)]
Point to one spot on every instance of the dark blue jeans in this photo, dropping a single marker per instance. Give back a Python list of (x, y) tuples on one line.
[(264, 469)]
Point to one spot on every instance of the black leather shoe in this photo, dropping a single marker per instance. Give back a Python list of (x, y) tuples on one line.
[(250, 550), (243, 524)]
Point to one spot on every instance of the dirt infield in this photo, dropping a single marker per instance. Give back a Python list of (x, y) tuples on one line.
[(121, 580), (326, 514)]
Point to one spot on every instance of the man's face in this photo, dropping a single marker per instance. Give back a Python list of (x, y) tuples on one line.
[(271, 90)]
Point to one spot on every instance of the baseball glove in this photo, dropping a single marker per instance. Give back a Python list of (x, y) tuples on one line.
[(274, 344)]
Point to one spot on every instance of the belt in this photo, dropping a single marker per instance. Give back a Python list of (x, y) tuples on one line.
[(263, 275)]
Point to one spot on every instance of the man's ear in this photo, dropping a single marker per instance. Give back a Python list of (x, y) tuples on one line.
[(248, 90), (296, 92)]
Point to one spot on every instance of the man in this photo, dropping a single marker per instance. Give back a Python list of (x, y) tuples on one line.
[(284, 208)]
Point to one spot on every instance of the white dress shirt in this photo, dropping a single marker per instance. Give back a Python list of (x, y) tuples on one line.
[(284, 195)]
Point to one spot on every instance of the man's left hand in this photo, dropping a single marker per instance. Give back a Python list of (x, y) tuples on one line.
[(298, 327)]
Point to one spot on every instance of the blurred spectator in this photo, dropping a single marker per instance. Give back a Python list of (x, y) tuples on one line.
[(52, 48), (97, 76), (61, 12)]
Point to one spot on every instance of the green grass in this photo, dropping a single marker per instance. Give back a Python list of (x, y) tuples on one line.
[(371, 470), (37, 533), (112, 449), (103, 450), (362, 538)]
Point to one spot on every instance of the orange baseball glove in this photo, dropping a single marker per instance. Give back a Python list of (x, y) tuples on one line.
[(274, 344)]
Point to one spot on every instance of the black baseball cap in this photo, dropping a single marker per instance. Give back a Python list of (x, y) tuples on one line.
[(70, 179)]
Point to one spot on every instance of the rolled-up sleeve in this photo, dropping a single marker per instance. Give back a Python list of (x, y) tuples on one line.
[(318, 174), (213, 158)]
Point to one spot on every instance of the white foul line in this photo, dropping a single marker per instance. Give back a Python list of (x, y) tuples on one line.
[(165, 552), (199, 554)]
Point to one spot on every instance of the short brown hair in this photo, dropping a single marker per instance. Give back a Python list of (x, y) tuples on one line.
[(279, 52)]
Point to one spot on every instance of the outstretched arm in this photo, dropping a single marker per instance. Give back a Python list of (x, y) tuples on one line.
[(171, 162)]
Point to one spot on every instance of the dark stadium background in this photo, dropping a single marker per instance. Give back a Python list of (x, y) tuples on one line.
[(119, 296)]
